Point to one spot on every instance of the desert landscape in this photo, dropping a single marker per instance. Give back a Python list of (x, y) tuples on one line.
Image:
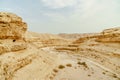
[(26, 55)]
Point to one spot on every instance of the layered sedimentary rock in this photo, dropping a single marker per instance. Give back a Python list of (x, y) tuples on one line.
[(112, 30), (12, 31), (11, 26), (110, 35)]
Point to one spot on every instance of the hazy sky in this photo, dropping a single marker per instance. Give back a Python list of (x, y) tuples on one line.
[(65, 16)]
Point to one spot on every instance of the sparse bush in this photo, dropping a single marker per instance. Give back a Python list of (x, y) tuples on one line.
[(69, 65), (83, 63), (89, 75), (103, 72), (115, 76), (51, 77), (55, 70), (61, 66)]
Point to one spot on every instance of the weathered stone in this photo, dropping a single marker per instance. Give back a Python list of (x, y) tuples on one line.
[(9, 17), (112, 31), (12, 31), (11, 26)]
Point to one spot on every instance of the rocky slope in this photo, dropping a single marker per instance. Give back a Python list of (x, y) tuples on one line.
[(32, 56)]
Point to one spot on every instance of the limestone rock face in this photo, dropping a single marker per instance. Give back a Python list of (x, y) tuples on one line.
[(12, 32), (11, 26)]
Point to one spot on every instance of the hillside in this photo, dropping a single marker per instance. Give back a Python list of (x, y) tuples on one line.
[(26, 55)]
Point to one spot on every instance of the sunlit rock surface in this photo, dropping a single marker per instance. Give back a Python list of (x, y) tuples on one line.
[(11, 26)]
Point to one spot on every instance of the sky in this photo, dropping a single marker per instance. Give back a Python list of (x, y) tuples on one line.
[(65, 16)]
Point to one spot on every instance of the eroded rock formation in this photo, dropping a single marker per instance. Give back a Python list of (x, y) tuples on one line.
[(11, 26), (12, 31), (110, 35)]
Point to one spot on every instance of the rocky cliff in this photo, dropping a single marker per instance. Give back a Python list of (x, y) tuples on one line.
[(12, 32)]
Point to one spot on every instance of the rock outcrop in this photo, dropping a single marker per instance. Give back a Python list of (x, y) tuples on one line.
[(110, 35), (12, 32), (112, 31), (11, 26)]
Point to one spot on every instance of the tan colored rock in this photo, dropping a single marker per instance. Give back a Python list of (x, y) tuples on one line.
[(12, 32), (8, 45), (111, 30), (111, 35), (9, 17), (11, 26)]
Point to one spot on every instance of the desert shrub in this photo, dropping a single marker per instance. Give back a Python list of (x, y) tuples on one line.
[(69, 65), (115, 76), (55, 70), (103, 72), (61, 66), (83, 63), (89, 75)]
